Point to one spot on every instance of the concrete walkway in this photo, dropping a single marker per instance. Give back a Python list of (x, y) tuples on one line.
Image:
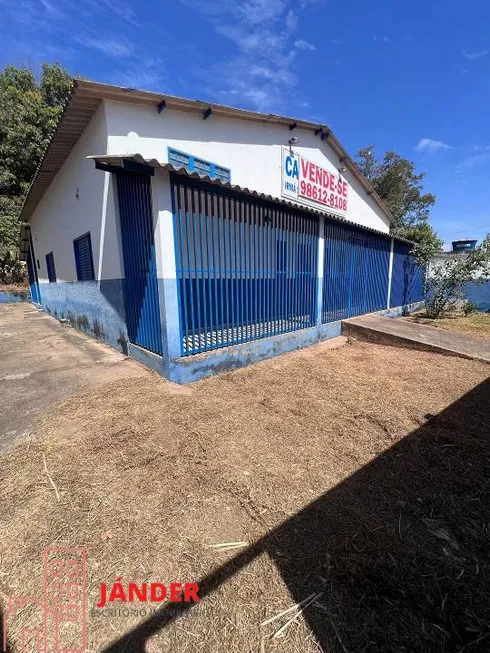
[(43, 362), (401, 333)]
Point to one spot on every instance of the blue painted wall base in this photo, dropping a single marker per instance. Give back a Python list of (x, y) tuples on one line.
[(147, 358), (479, 294), (97, 308), (192, 368)]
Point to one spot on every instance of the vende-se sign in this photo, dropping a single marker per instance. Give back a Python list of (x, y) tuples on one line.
[(304, 180)]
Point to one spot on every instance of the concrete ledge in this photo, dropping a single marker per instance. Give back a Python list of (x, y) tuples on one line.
[(192, 368), (145, 357), (186, 369), (401, 333), (399, 310)]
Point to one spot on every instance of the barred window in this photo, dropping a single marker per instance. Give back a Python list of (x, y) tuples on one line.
[(51, 267), (202, 167), (84, 262)]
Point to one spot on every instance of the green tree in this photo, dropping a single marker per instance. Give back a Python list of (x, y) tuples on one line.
[(401, 189), (29, 111), (446, 281)]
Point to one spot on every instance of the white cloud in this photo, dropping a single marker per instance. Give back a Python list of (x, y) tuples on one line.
[(146, 74), (471, 56), (430, 145), (259, 71), (54, 12), (110, 47), (301, 44), (474, 161), (335, 42), (291, 20), (46, 23)]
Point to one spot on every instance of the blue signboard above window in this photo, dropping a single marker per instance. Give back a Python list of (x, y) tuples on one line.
[(194, 164)]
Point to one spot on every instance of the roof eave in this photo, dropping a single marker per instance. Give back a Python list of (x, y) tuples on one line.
[(86, 97), (116, 160)]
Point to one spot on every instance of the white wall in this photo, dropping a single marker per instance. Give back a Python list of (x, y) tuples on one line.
[(61, 216), (444, 257), (251, 150)]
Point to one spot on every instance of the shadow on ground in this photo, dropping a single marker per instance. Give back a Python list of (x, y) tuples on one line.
[(3, 637), (399, 550)]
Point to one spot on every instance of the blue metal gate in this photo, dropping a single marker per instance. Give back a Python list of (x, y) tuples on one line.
[(246, 268), (407, 280), (32, 274), (355, 272), (140, 285)]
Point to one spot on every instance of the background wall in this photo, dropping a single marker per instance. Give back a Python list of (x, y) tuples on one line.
[(76, 203), (82, 199), (251, 150)]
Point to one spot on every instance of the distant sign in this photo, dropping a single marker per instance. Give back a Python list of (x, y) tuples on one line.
[(303, 180)]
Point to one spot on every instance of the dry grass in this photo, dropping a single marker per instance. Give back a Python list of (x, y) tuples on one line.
[(14, 287), (150, 475), (476, 324)]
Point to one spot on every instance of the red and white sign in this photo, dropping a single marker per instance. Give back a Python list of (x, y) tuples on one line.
[(304, 180)]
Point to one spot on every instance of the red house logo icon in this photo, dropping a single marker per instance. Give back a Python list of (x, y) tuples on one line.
[(60, 621)]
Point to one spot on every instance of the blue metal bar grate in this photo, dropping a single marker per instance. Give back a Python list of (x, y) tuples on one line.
[(246, 269), (355, 272), (140, 285), (407, 284)]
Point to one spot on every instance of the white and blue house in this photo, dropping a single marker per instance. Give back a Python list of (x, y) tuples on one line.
[(198, 238)]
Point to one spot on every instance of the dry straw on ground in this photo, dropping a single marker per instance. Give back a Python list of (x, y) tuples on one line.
[(475, 324), (332, 461)]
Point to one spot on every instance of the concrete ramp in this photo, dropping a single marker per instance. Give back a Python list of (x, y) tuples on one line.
[(401, 333)]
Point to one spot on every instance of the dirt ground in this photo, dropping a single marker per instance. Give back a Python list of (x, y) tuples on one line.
[(356, 476), (43, 362), (476, 324)]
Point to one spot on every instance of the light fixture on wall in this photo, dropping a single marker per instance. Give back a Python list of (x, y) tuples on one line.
[(342, 169), (294, 140), (77, 194)]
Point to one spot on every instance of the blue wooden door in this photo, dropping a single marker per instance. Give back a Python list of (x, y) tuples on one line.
[(140, 285)]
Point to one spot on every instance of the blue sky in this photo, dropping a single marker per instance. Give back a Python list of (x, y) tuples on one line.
[(409, 76)]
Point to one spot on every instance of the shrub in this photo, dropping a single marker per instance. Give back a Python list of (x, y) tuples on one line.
[(445, 284), (11, 269), (468, 308)]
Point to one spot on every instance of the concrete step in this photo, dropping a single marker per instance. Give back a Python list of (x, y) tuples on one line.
[(401, 333)]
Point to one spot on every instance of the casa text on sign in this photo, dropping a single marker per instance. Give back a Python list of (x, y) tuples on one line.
[(306, 181)]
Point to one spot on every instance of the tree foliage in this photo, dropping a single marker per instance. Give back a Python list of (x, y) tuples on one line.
[(401, 188), (29, 110), (447, 280)]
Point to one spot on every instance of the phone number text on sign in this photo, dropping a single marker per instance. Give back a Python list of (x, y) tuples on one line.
[(304, 180), (322, 186)]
